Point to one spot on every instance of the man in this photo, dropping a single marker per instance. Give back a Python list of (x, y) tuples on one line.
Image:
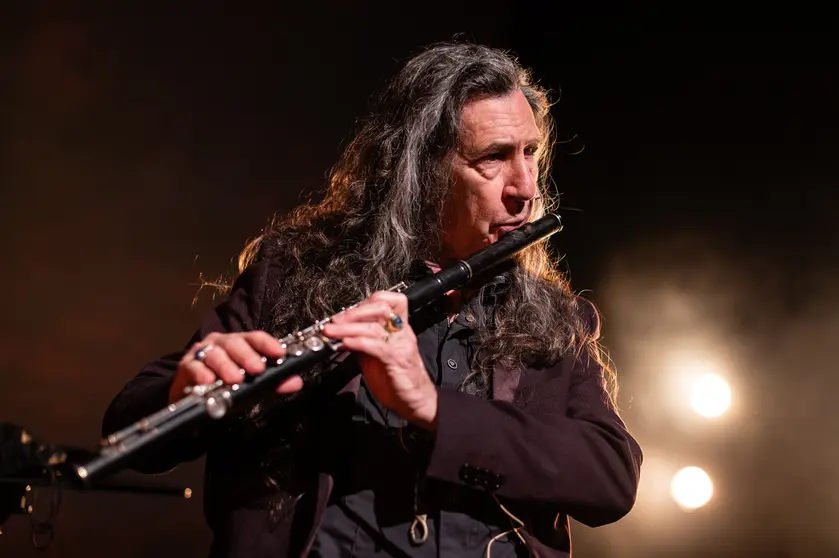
[(476, 427)]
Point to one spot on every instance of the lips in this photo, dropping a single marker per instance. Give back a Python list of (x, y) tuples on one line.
[(505, 228)]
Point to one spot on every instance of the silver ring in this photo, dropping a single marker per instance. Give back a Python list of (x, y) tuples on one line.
[(201, 353)]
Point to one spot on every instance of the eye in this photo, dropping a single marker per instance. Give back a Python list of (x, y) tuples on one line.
[(496, 156), (530, 151)]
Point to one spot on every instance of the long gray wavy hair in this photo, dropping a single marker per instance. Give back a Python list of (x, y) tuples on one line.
[(383, 212)]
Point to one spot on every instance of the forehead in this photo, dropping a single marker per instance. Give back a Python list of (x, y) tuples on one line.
[(507, 119)]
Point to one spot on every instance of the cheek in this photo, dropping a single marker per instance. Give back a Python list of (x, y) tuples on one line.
[(462, 200), (488, 201), (479, 207), (480, 193), (475, 201)]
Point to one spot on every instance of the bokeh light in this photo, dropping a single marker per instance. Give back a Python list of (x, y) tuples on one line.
[(710, 395), (691, 488)]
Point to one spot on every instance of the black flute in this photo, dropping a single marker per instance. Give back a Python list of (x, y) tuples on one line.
[(304, 349)]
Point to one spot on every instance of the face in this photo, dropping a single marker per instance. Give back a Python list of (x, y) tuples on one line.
[(494, 172)]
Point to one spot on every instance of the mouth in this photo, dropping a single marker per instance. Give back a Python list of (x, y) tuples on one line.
[(504, 228)]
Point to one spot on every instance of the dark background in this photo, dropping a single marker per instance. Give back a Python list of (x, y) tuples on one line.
[(141, 147)]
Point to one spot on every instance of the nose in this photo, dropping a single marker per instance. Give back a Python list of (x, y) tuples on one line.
[(521, 183)]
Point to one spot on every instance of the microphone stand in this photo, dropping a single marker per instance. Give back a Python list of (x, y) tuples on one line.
[(28, 466)]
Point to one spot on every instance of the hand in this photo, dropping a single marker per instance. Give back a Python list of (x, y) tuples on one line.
[(390, 362), (229, 356)]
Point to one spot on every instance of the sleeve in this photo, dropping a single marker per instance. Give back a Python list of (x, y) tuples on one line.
[(148, 391), (579, 458)]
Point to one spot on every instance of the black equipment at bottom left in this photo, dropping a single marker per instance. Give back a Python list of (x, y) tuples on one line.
[(29, 467)]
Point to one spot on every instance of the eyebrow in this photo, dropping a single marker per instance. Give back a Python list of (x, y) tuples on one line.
[(505, 146)]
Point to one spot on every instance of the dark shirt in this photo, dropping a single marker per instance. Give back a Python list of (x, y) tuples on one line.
[(374, 508)]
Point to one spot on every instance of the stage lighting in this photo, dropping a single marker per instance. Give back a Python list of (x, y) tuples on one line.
[(710, 395), (691, 488)]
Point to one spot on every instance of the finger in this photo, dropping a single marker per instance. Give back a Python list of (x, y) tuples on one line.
[(265, 344), (211, 339), (198, 373), (373, 330), (290, 385), (220, 363), (368, 311), (368, 345), (243, 354), (397, 301)]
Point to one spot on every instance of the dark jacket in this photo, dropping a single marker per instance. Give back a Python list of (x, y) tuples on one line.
[(548, 444)]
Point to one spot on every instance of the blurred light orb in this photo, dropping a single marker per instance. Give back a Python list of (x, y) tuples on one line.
[(710, 395), (691, 488)]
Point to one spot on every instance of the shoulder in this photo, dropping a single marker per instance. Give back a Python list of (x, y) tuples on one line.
[(255, 290), (258, 274)]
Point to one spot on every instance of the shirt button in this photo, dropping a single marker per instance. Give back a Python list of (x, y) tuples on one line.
[(452, 363)]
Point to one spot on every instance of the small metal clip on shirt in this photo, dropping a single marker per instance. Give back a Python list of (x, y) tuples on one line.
[(419, 529)]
